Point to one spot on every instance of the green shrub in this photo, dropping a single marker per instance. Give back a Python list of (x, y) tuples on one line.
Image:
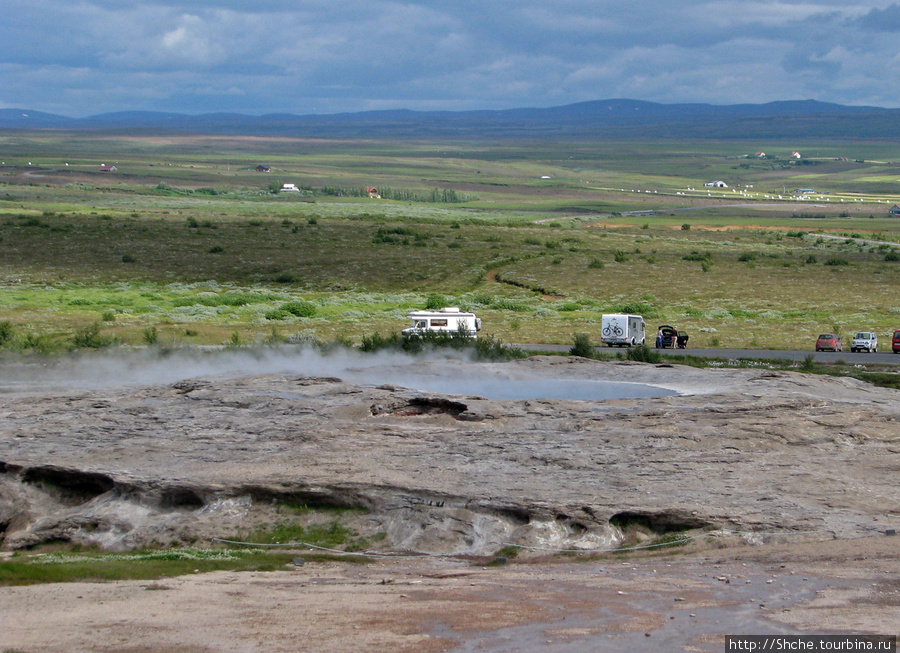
[(697, 256), (685, 227), (483, 348), (299, 308), (595, 264), (643, 354), (216, 249), (435, 302), (226, 299), (638, 308), (506, 304), (151, 335), (285, 277), (6, 332), (38, 342), (393, 235), (837, 261), (582, 346), (377, 342), (89, 337), (892, 257)]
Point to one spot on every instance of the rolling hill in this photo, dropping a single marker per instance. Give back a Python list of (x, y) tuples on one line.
[(596, 119)]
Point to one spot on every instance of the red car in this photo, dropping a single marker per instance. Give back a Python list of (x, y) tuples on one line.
[(829, 341), (895, 342)]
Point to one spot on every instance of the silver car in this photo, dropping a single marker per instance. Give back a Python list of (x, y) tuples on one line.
[(867, 340)]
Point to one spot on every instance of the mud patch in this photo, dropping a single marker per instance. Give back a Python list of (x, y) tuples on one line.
[(421, 406)]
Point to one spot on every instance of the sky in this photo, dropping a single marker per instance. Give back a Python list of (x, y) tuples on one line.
[(85, 57)]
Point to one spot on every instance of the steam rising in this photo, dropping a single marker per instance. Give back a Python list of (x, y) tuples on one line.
[(444, 373), (151, 367)]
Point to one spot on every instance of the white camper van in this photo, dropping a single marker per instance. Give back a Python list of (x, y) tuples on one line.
[(449, 320), (621, 330)]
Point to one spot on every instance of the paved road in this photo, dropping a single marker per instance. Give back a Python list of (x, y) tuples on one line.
[(861, 358)]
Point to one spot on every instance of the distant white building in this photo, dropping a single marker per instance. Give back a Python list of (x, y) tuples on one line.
[(718, 183), (795, 155), (289, 188)]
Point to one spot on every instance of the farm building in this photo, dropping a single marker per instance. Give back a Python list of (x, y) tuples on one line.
[(263, 168), (718, 183), (108, 168)]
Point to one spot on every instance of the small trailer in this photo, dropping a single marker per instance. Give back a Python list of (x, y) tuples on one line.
[(621, 330), (448, 320)]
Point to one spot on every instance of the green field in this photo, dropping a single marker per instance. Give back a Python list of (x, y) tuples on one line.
[(186, 243)]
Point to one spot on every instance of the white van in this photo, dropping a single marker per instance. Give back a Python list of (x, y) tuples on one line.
[(621, 330), (449, 320)]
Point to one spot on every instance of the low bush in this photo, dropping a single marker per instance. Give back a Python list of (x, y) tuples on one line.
[(643, 354), (638, 308), (435, 302), (6, 332), (150, 335), (377, 342), (697, 256), (484, 348), (300, 308), (89, 337), (582, 346)]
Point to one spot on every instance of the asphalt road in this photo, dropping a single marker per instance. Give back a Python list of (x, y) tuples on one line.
[(862, 358)]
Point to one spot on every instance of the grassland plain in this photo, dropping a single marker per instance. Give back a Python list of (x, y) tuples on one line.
[(188, 243)]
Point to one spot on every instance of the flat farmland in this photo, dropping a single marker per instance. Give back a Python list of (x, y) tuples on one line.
[(186, 242)]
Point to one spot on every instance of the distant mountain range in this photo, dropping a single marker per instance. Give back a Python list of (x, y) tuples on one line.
[(596, 119)]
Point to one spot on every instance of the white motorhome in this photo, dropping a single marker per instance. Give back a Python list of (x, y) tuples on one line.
[(621, 330), (449, 320)]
